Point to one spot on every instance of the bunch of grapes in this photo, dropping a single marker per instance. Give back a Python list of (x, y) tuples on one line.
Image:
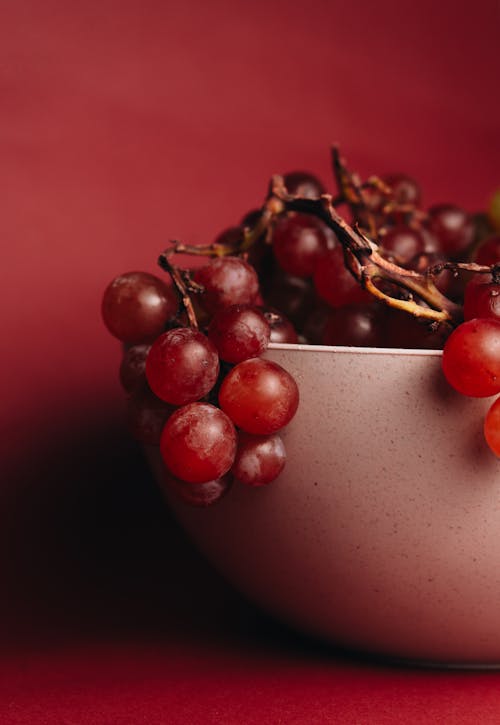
[(295, 271), (207, 398)]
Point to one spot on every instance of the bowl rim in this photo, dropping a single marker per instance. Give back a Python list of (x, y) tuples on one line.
[(341, 349)]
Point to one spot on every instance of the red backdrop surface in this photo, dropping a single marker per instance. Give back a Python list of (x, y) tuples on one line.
[(124, 124)]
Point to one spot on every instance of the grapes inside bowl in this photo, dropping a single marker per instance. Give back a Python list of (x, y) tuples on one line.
[(381, 534), (349, 486)]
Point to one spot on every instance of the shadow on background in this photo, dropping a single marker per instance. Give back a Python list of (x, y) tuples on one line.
[(88, 544), (90, 550)]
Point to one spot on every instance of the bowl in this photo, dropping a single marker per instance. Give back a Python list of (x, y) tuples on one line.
[(382, 534)]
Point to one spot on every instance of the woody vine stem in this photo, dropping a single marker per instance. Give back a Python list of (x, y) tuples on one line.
[(362, 254)]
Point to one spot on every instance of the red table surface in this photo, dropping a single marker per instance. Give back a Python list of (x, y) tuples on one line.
[(122, 125)]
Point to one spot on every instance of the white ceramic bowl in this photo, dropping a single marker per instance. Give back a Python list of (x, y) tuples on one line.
[(383, 532)]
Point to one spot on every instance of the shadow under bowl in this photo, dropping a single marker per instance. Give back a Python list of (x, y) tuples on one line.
[(383, 532)]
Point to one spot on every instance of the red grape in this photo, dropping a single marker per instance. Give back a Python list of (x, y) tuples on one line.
[(471, 358), (482, 300), (227, 281), (489, 251), (259, 396), (147, 415), (334, 283), (239, 332), (492, 427), (293, 296), (405, 190), (403, 243), (259, 459), (355, 325), (282, 329), (405, 331), (302, 183), (133, 365), (200, 495), (182, 366), (198, 443), (298, 241), (137, 306), (452, 226)]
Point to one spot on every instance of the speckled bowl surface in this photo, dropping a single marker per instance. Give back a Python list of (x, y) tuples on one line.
[(383, 532)]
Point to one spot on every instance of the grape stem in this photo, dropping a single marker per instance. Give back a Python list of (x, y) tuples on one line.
[(182, 282), (362, 255)]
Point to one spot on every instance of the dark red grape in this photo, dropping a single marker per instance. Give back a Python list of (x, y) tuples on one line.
[(147, 415), (405, 331), (453, 227), (239, 332), (314, 325), (259, 459), (405, 190), (259, 396), (133, 366), (200, 495), (303, 183), (482, 300), (298, 241), (230, 236), (281, 328), (489, 251), (403, 243), (198, 443), (293, 296), (334, 283), (227, 281), (137, 306), (355, 325), (182, 366), (471, 358)]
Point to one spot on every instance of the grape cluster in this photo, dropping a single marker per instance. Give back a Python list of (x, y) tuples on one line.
[(207, 398), (198, 387)]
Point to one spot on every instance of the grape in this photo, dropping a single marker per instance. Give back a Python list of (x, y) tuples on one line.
[(494, 210), (450, 284), (492, 427), (452, 226), (403, 243), (259, 459), (147, 415), (230, 236), (133, 365), (405, 331), (259, 396), (315, 323), (334, 283), (489, 251), (281, 328), (239, 332), (182, 366), (298, 241), (201, 495), (471, 358), (227, 281), (405, 190), (198, 443), (302, 183), (137, 306), (355, 325), (482, 300), (293, 296)]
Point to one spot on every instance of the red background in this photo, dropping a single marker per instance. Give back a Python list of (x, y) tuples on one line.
[(124, 124)]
